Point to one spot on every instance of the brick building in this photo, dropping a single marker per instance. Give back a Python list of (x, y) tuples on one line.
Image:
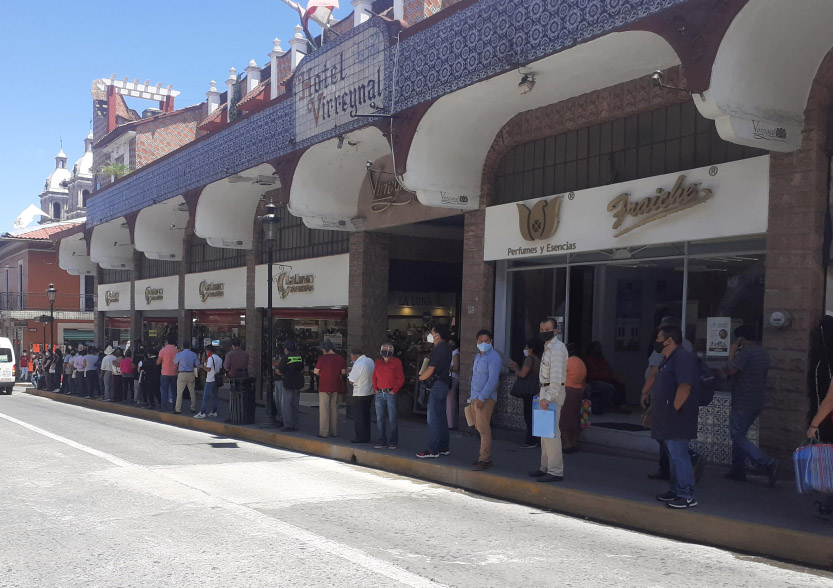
[(537, 165)]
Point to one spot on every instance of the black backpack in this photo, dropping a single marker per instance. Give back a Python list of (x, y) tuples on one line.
[(707, 383)]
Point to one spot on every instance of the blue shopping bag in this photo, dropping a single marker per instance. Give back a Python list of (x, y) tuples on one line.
[(544, 422), (813, 468)]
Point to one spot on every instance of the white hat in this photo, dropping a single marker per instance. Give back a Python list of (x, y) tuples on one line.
[(108, 350)]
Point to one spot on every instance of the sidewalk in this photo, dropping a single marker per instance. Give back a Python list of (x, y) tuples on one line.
[(747, 517)]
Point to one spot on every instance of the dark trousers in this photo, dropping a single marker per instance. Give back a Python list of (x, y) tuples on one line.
[(127, 388), (361, 417)]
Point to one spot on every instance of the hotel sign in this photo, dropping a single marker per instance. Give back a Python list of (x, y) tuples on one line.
[(341, 80), (729, 200)]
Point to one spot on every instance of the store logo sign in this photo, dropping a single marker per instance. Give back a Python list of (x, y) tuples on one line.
[(766, 132), (387, 193), (289, 283), (665, 203), (111, 297), (211, 290), (154, 294), (540, 223)]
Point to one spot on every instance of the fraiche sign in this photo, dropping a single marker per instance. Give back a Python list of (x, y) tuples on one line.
[(339, 81), (726, 200)]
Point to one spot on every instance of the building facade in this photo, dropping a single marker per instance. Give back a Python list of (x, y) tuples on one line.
[(497, 162)]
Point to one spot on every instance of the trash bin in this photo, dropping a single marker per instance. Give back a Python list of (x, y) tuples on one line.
[(242, 401)]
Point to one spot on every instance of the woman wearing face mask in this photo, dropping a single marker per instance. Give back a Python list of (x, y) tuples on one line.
[(452, 406), (529, 371)]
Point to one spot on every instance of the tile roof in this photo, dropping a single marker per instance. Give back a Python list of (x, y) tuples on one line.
[(256, 93), (215, 118), (42, 231)]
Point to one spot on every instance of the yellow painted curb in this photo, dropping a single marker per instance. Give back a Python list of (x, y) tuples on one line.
[(754, 538)]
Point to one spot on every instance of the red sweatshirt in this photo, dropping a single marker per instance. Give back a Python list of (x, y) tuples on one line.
[(388, 375)]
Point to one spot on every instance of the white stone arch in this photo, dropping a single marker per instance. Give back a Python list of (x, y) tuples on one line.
[(449, 148), (72, 256), (110, 245), (226, 208), (160, 229), (328, 179), (764, 69)]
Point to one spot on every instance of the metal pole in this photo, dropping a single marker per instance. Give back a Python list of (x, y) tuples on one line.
[(685, 287), (52, 326), (567, 306), (271, 409)]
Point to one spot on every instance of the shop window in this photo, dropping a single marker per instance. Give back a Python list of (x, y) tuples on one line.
[(652, 143), (535, 295)]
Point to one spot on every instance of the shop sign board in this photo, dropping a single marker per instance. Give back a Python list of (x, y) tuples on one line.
[(712, 202), (718, 333), (157, 293), (114, 296), (217, 289), (338, 82), (305, 283)]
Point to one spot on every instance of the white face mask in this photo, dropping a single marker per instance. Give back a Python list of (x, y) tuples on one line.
[(526, 352), (430, 338)]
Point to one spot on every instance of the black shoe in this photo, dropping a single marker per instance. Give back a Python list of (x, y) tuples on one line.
[(737, 477), (482, 466), (550, 478), (358, 441), (667, 497), (530, 445), (537, 474), (681, 503), (772, 472)]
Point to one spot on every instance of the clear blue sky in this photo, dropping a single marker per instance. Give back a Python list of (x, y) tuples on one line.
[(52, 51)]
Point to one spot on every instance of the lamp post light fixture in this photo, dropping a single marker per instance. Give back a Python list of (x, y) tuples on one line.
[(270, 223), (51, 292)]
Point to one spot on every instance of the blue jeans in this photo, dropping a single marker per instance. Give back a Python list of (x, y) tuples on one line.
[(209, 391), (682, 474), (277, 392), (386, 418), (740, 419), (290, 401), (437, 418), (167, 386)]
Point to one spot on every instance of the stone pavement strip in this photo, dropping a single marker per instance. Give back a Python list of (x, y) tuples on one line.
[(747, 517)]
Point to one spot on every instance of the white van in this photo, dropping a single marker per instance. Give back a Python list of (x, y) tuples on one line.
[(8, 366)]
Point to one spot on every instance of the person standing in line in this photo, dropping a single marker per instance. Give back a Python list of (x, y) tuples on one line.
[(24, 367), (169, 372), (533, 350), (212, 368), (570, 420), (66, 373), (674, 413), (80, 363), (186, 362), (127, 377), (138, 357), (485, 376), (236, 362), (553, 379), (91, 372), (151, 381), (330, 369), (361, 376), (748, 368), (277, 387), (452, 404), (436, 377), (388, 379), (107, 370), (118, 395), (291, 369), (69, 372)]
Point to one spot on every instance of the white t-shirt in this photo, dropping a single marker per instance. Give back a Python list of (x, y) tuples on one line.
[(107, 363), (214, 363), (362, 376)]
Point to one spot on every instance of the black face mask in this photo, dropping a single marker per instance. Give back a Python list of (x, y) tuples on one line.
[(659, 346), (547, 335), (387, 353)]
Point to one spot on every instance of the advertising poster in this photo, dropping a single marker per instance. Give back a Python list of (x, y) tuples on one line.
[(718, 329)]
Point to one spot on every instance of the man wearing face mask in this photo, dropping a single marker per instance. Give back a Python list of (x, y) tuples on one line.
[(485, 375), (675, 410), (436, 375), (388, 379), (553, 377)]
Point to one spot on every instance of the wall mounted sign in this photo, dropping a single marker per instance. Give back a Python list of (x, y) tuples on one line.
[(387, 191), (154, 294), (219, 289), (211, 290), (157, 293), (713, 202), (111, 297), (305, 283), (292, 283), (334, 83)]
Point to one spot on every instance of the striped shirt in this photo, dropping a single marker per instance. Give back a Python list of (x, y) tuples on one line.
[(553, 372)]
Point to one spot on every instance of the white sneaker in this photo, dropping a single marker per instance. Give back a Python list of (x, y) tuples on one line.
[(212, 414), (199, 415)]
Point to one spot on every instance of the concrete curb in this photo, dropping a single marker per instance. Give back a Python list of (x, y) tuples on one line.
[(735, 535)]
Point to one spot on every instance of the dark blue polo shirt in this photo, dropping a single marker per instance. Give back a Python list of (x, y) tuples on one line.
[(667, 421)]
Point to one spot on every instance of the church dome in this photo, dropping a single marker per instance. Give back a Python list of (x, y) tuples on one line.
[(83, 168), (59, 176)]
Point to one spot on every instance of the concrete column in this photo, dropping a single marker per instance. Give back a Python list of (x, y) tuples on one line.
[(478, 297), (213, 97), (231, 82), (98, 316), (254, 324), (135, 315), (367, 321), (184, 324), (399, 9), (252, 76), (361, 11), (273, 67)]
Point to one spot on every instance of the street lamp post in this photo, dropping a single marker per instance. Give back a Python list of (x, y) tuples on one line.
[(270, 222), (51, 292)]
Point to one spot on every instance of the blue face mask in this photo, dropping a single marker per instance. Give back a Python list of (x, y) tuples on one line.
[(484, 347)]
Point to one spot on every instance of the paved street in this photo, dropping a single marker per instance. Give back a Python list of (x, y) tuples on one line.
[(95, 499)]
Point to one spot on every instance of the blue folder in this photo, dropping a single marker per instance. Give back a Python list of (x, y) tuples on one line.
[(544, 422)]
